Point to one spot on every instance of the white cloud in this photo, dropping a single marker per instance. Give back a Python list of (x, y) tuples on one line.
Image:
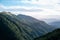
[(41, 2), (31, 10), (38, 14), (20, 8), (57, 7), (2, 6)]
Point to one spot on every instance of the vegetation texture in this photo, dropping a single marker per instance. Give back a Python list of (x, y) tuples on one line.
[(14, 27), (55, 35)]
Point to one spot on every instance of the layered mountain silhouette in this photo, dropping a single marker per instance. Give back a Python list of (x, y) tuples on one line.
[(56, 24), (54, 35), (35, 23), (21, 27)]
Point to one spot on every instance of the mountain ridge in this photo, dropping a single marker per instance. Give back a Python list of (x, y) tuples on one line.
[(19, 29)]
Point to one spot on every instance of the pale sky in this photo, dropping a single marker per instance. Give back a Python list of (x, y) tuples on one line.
[(35, 8)]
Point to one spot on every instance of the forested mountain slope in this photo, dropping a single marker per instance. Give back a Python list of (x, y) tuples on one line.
[(13, 28), (54, 35)]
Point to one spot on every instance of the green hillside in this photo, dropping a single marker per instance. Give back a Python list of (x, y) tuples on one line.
[(55, 35), (12, 28), (8, 28)]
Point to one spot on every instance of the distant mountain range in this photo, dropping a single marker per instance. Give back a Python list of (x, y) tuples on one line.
[(21, 27), (54, 35), (56, 24), (53, 22)]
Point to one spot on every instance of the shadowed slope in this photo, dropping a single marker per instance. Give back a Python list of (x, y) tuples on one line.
[(13, 28), (35, 24), (55, 35)]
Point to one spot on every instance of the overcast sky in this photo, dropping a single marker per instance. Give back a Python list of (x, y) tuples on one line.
[(35, 8)]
